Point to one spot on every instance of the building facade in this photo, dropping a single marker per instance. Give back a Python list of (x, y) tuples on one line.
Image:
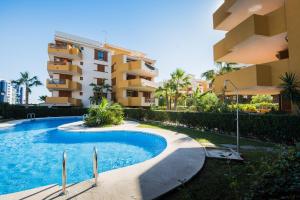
[(76, 62), (263, 35), (132, 77), (198, 84), (10, 93)]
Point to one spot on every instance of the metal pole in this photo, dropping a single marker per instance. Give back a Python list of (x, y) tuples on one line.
[(95, 165), (64, 173), (237, 123)]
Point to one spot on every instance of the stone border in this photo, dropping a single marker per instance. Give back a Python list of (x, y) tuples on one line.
[(180, 161)]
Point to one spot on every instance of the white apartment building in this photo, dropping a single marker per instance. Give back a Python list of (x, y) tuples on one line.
[(10, 93), (74, 63)]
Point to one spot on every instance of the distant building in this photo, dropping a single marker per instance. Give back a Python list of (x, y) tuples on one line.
[(10, 93), (201, 85)]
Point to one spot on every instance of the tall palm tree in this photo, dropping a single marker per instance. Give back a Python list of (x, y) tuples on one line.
[(291, 89), (99, 91), (221, 68), (165, 91), (28, 82), (179, 82)]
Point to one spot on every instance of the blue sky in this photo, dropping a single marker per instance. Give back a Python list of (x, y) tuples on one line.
[(177, 33)]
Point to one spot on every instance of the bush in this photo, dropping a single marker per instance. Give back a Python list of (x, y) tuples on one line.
[(8, 111), (104, 114), (261, 99), (277, 178), (208, 102), (275, 128)]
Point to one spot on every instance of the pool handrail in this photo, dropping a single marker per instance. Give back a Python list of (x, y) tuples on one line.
[(95, 165), (64, 172)]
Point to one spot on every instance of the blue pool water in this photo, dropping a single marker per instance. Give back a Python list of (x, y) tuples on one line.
[(31, 153)]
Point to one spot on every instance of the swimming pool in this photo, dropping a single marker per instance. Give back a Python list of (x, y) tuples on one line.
[(31, 152)]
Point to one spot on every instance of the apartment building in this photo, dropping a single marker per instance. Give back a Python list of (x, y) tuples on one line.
[(132, 77), (201, 85), (263, 35), (74, 63), (10, 93)]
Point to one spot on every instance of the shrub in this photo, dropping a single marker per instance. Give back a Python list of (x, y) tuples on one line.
[(277, 178), (275, 128), (264, 98), (104, 114), (20, 111), (207, 102)]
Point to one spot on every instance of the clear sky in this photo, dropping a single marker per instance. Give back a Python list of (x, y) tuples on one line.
[(176, 33)]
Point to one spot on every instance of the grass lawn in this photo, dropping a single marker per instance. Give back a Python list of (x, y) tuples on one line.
[(219, 179)]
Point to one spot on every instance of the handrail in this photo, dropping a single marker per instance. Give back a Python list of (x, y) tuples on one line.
[(30, 115), (64, 172), (57, 81), (95, 165)]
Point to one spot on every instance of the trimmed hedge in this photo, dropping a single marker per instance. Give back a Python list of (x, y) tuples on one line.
[(20, 112), (275, 128)]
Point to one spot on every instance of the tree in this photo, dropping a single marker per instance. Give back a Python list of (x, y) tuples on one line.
[(165, 91), (221, 68), (179, 82), (28, 82), (291, 89), (207, 102), (43, 98), (99, 91)]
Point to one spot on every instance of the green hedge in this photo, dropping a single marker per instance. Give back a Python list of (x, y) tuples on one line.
[(275, 128), (20, 112)]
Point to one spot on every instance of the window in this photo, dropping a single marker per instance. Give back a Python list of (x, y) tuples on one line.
[(81, 78), (100, 81), (80, 93), (113, 81), (132, 93), (113, 68), (100, 55), (81, 63), (101, 68)]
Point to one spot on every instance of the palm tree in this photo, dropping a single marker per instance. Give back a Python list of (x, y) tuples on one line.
[(43, 98), (221, 68), (165, 91), (179, 82), (291, 89), (99, 91), (28, 82)]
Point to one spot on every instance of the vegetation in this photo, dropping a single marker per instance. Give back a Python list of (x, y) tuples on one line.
[(291, 89), (221, 68), (261, 99), (43, 98), (275, 128), (277, 171), (207, 102), (8, 111), (105, 113), (28, 82), (99, 91)]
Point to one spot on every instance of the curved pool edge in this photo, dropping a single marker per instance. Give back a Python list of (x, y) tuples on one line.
[(178, 162)]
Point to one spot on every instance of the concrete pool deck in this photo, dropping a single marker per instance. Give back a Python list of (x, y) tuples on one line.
[(179, 162)]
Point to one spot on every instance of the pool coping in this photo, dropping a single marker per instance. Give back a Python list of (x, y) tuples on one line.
[(180, 161)]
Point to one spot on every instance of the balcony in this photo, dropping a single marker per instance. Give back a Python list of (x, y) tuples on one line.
[(256, 40), (139, 84), (137, 101), (256, 79), (63, 84), (232, 12), (65, 51), (63, 68), (141, 68), (63, 101)]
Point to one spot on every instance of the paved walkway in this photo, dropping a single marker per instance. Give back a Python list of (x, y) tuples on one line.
[(179, 162)]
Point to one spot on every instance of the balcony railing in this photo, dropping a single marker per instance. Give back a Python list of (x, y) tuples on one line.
[(63, 84), (57, 81), (65, 50), (149, 100)]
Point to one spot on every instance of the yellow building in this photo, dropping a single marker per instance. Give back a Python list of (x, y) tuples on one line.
[(265, 36), (132, 77)]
